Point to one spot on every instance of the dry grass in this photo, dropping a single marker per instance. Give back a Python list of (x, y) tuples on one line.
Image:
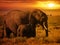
[(40, 39)]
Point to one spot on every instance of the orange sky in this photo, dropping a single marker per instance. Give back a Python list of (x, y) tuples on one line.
[(40, 4), (31, 4)]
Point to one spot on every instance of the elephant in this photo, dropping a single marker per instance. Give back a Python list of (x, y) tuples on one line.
[(40, 18), (36, 17), (13, 19), (29, 19)]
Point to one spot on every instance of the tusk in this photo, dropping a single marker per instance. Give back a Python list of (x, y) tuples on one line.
[(44, 26)]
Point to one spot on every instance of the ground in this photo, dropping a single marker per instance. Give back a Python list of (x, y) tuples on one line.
[(40, 39)]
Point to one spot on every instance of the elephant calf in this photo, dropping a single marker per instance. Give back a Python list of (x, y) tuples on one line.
[(26, 31)]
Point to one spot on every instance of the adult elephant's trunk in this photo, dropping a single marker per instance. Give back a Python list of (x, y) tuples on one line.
[(45, 25)]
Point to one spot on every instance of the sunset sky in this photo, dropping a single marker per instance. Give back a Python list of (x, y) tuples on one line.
[(48, 6)]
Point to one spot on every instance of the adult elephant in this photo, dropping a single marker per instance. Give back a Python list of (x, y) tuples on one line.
[(36, 17), (39, 17), (15, 18)]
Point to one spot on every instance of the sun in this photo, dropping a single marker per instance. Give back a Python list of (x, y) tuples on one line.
[(50, 5), (46, 5)]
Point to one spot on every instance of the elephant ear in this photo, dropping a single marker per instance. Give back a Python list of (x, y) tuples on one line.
[(32, 17), (43, 16)]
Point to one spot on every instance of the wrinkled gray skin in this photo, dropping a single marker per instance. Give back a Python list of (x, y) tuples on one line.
[(16, 17)]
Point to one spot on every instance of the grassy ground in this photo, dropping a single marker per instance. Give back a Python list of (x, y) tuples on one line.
[(40, 39)]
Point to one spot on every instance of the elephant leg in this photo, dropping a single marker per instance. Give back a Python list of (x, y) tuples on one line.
[(31, 31), (20, 30), (8, 32)]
